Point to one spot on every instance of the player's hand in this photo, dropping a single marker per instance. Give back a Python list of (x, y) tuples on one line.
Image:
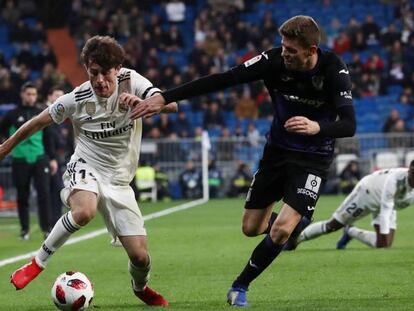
[(148, 107), (127, 100), (302, 125)]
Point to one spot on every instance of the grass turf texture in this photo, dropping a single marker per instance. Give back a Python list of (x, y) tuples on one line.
[(198, 252)]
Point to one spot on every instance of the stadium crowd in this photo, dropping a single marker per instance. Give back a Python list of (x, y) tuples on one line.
[(172, 42)]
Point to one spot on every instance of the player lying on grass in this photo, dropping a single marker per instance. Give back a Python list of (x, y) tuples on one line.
[(103, 164), (380, 194)]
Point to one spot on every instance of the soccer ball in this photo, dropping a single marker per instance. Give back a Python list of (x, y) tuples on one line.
[(72, 291)]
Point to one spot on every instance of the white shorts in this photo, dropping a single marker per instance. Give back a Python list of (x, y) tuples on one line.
[(116, 204), (359, 204)]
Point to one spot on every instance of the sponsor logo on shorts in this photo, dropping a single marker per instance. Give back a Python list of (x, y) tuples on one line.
[(311, 208), (307, 192), (313, 183)]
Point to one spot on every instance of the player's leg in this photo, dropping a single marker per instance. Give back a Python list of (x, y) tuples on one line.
[(264, 253), (124, 221), (319, 228), (83, 208), (21, 179), (258, 221), (41, 181), (139, 267)]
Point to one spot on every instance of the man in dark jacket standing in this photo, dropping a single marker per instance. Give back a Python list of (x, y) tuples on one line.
[(30, 161)]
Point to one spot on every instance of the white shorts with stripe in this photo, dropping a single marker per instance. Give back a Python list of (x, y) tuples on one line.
[(116, 204)]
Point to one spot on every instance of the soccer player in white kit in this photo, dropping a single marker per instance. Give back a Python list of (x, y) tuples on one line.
[(104, 161), (380, 194)]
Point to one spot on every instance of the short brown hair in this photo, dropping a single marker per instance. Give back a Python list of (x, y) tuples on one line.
[(303, 28), (27, 85), (103, 50)]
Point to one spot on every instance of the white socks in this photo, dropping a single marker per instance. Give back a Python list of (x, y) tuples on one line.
[(61, 232), (367, 237), (140, 275), (313, 231)]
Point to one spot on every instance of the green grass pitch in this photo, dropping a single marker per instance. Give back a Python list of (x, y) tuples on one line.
[(198, 252)]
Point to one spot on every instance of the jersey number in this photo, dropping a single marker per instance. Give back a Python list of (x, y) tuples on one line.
[(354, 210)]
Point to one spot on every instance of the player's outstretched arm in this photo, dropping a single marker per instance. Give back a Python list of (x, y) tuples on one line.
[(26, 130), (148, 107)]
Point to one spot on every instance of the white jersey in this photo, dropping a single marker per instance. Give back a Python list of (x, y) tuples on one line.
[(106, 138), (386, 190)]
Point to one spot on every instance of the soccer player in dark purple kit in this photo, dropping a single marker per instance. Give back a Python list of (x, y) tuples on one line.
[(311, 94)]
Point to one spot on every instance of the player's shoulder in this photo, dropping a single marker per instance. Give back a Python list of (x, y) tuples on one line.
[(332, 62), (125, 74), (81, 92), (273, 55)]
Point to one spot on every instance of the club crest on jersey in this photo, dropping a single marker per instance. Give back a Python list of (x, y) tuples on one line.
[(122, 107), (317, 82), (90, 108)]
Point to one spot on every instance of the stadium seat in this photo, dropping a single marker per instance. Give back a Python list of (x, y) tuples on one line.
[(386, 159)]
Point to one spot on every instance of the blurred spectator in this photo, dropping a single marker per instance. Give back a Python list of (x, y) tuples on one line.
[(268, 26), (190, 181), (20, 32), (144, 180), (175, 10), (358, 41), (182, 126), (161, 180), (165, 125), (390, 36), (374, 63), (391, 121), (246, 107), (213, 117), (253, 135), (211, 44), (371, 30), (9, 13), (349, 177), (396, 74), (240, 182), (332, 31), (225, 146), (173, 39), (215, 180), (342, 43)]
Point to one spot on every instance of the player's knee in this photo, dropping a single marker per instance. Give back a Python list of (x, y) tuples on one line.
[(139, 258), (279, 235), (83, 216), (250, 230)]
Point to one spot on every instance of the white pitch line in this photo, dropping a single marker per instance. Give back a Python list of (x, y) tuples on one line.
[(99, 232)]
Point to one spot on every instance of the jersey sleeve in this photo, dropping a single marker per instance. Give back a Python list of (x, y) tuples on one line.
[(141, 86), (387, 203), (341, 85), (254, 69), (63, 108)]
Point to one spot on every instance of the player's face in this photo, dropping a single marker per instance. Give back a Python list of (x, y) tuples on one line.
[(29, 97), (295, 56), (103, 81), (55, 95), (411, 176)]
